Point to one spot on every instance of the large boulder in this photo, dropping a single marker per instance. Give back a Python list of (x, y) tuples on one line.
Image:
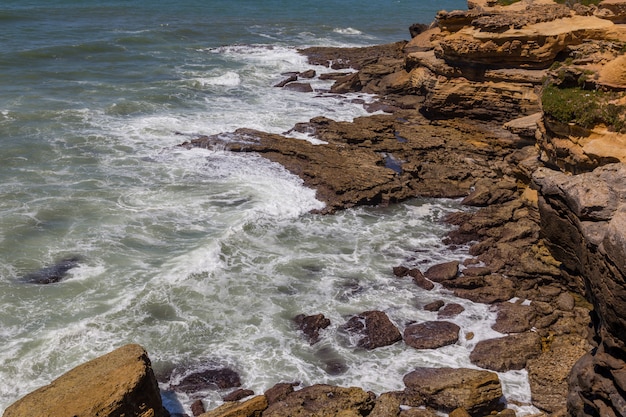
[(251, 408), (120, 383), (431, 334), (506, 353), (373, 329), (446, 389)]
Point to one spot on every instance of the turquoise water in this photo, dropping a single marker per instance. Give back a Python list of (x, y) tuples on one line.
[(200, 256)]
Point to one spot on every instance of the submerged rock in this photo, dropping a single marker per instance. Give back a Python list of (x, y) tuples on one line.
[(53, 273), (312, 325)]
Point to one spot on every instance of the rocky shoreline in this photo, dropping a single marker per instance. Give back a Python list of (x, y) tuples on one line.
[(462, 113)]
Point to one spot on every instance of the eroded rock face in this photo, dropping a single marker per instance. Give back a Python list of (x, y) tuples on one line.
[(583, 218), (447, 389), (118, 383)]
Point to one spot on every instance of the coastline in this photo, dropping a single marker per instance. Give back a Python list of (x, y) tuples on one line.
[(456, 150)]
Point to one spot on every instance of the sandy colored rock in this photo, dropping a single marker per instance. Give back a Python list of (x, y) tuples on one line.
[(251, 408), (118, 383), (506, 353)]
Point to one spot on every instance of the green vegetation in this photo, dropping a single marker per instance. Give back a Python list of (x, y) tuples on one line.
[(585, 108)]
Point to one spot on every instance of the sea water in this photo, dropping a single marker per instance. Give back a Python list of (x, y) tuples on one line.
[(199, 256)]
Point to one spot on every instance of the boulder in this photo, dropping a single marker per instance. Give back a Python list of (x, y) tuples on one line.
[(211, 378), (434, 306), (451, 310), (506, 353), (431, 334), (514, 318), (119, 383), (323, 401), (311, 326), (420, 280), (446, 389), (251, 408), (443, 272), (238, 394), (373, 329), (280, 391)]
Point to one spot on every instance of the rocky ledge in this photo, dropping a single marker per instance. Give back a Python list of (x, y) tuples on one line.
[(521, 111)]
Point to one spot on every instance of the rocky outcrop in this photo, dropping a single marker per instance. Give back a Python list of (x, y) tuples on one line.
[(373, 329), (118, 383), (584, 223), (431, 334)]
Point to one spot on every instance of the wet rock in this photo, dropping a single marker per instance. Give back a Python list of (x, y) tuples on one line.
[(496, 288), (420, 280), (280, 391), (506, 353), (332, 361), (312, 325), (197, 408), (514, 318), (299, 87), (53, 273), (374, 329), (386, 405), (238, 395), (434, 306), (323, 401), (400, 271), (307, 74), (208, 379), (443, 272), (446, 389), (291, 78), (253, 407), (119, 383), (451, 310), (431, 334)]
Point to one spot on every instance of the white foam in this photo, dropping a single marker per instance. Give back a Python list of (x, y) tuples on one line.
[(348, 31)]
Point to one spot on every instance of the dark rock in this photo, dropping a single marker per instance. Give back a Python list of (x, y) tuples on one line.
[(311, 325), (208, 379), (400, 271), (434, 306), (237, 395), (514, 318), (299, 87), (506, 353), (431, 334), (450, 310), (443, 272), (323, 401), (197, 408), (420, 280), (417, 28), (374, 328), (307, 74), (333, 363), (53, 273), (280, 391), (446, 389), (291, 78)]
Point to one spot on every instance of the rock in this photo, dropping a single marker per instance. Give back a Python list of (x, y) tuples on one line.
[(323, 401), (506, 353), (119, 383), (420, 280), (451, 310), (279, 391), (443, 272), (496, 288), (374, 330), (208, 379), (307, 74), (291, 78), (400, 271), (197, 408), (254, 407), (312, 325), (565, 302), (514, 318), (446, 389), (434, 306), (386, 405), (238, 394), (525, 126), (431, 334), (298, 87), (53, 273)]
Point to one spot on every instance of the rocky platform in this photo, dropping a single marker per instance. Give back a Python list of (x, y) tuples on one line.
[(466, 113)]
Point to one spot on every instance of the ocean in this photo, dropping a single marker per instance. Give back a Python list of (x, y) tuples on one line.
[(202, 257)]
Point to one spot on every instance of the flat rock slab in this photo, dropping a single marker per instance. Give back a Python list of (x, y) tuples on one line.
[(447, 389), (506, 353), (431, 334)]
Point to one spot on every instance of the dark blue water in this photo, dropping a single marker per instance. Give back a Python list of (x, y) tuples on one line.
[(197, 255)]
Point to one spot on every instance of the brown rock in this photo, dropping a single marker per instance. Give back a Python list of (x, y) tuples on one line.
[(434, 306), (431, 334), (443, 272), (197, 408), (386, 405), (514, 318), (420, 280), (496, 289), (118, 383), (252, 408), (291, 78), (238, 394), (212, 378), (375, 329), (299, 87), (451, 310), (400, 271), (506, 353), (307, 74), (323, 401), (279, 391), (446, 389), (312, 325)]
